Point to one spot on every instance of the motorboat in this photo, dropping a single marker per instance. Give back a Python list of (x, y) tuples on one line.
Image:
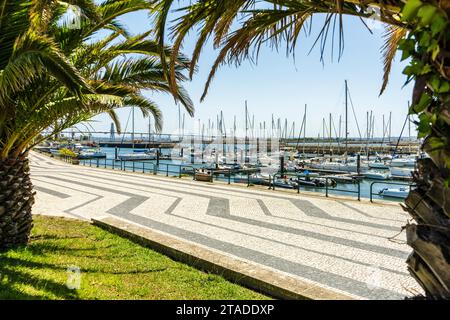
[(281, 183), (307, 173), (54, 152), (378, 165), (203, 175), (403, 162), (401, 172), (384, 157), (254, 179), (302, 182), (315, 182), (401, 192), (136, 156), (91, 153), (338, 166), (375, 175), (229, 166), (152, 152)]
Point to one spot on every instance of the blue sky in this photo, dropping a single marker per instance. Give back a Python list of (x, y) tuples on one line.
[(281, 86)]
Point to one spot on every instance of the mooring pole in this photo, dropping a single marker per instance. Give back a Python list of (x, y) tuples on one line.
[(358, 164), (192, 149), (346, 121)]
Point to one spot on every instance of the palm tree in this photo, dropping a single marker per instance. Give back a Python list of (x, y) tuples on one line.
[(53, 76), (420, 28)]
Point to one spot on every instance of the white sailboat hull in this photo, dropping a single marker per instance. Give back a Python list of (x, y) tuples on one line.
[(408, 162), (375, 176), (401, 172), (378, 165)]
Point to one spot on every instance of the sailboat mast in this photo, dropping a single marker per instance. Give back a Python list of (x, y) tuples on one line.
[(384, 132), (264, 129), (179, 118), (285, 128), (182, 127), (409, 128), (224, 134), (234, 141), (203, 142), (323, 135), (330, 136), (367, 135), (253, 126), (346, 118), (132, 126), (149, 129), (246, 133), (304, 131), (390, 125), (340, 126), (409, 131)]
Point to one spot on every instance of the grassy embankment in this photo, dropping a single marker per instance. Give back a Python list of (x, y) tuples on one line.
[(111, 267)]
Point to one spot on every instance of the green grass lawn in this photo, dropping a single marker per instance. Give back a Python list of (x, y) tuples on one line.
[(111, 268)]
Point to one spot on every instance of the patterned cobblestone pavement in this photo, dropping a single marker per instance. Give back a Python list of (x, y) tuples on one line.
[(338, 243)]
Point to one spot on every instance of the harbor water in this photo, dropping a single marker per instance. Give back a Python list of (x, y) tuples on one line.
[(179, 167)]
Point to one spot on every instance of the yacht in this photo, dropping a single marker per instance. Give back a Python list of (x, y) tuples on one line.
[(340, 166), (91, 153), (395, 192), (375, 175), (401, 172), (403, 162), (136, 156), (379, 164)]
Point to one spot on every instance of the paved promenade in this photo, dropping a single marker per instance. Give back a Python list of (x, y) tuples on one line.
[(340, 244)]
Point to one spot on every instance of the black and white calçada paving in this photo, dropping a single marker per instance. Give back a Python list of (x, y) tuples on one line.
[(338, 243)]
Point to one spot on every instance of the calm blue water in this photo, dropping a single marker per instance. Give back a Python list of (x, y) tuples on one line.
[(177, 167)]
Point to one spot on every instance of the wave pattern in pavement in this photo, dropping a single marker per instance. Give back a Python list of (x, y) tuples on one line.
[(337, 243)]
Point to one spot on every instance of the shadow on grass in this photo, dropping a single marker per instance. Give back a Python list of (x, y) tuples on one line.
[(41, 248), (17, 272), (53, 237), (12, 279)]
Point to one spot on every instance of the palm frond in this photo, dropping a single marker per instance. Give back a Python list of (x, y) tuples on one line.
[(53, 77), (392, 35), (147, 107), (32, 55), (241, 27)]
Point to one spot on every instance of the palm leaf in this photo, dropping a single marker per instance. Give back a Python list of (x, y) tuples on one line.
[(392, 36)]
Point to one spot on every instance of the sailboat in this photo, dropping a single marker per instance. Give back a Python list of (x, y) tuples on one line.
[(373, 175), (403, 162), (137, 155), (401, 172)]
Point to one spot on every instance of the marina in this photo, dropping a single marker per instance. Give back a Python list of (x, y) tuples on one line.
[(334, 242), (278, 155), (303, 179), (225, 151)]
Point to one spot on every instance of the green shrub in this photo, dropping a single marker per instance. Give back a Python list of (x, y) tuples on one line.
[(67, 152)]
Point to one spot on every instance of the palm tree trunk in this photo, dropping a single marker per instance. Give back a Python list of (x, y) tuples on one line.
[(16, 200), (429, 203)]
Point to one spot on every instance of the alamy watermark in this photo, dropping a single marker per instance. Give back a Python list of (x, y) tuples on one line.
[(73, 17), (73, 278), (374, 277), (374, 20), (222, 149)]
